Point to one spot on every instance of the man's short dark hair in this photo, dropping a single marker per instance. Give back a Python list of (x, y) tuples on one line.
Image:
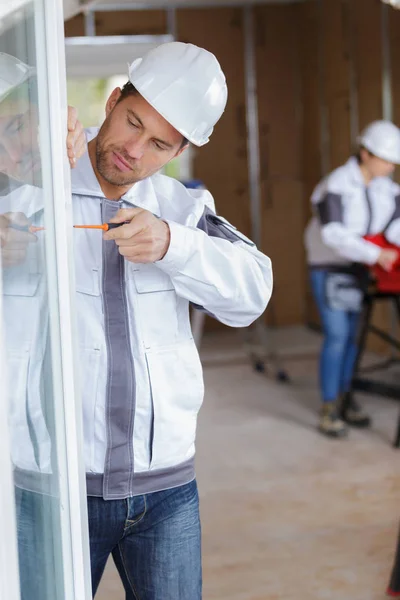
[(358, 154), (130, 90)]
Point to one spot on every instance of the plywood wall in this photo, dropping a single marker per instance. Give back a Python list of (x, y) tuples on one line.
[(131, 22), (319, 77), (367, 52), (280, 130), (222, 163), (308, 16)]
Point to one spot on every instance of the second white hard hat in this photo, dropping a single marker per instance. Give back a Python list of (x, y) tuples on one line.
[(185, 84), (13, 72), (382, 138)]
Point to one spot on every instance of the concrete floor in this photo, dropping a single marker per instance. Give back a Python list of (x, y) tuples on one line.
[(286, 513)]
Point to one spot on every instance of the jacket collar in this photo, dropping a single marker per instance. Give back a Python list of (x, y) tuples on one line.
[(355, 171)]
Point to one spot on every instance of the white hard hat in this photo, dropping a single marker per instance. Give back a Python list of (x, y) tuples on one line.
[(382, 138), (13, 72), (185, 84)]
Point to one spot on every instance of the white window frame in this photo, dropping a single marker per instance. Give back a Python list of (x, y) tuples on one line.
[(50, 51), (75, 534), (9, 570)]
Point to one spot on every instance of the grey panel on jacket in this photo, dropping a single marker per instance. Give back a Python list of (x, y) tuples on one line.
[(120, 408), (330, 209), (216, 226), (396, 212)]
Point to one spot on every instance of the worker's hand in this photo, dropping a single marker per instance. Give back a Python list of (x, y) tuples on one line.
[(14, 243), (387, 258), (76, 139), (145, 239)]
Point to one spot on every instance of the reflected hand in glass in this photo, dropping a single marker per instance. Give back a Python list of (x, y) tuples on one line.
[(15, 238)]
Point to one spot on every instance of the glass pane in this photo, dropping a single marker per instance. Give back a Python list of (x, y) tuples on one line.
[(26, 228)]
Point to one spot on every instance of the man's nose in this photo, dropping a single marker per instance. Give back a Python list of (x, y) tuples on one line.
[(12, 148), (135, 149)]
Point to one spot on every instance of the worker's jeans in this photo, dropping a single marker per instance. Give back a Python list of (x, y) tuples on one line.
[(339, 350), (154, 541)]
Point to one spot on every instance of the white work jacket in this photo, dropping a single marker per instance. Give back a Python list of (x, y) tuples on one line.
[(141, 377), (345, 210)]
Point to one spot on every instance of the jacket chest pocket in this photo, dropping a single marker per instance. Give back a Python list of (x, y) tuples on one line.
[(23, 305), (157, 305), (89, 309)]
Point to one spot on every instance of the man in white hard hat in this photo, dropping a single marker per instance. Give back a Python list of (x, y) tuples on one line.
[(20, 162), (142, 383), (356, 200)]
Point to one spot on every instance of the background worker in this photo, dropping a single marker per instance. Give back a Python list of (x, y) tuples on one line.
[(355, 200)]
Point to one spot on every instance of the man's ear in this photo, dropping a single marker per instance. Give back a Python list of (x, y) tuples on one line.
[(112, 100)]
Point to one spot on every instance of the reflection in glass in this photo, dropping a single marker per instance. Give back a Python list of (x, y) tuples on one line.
[(22, 235)]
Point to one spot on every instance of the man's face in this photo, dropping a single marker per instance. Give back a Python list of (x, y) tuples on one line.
[(134, 142), (19, 149), (377, 167)]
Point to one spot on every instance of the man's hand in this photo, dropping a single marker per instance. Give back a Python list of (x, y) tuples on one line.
[(145, 239), (387, 258), (14, 243), (76, 139)]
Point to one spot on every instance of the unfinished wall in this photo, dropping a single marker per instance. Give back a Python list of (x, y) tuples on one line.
[(280, 131), (319, 77), (222, 163)]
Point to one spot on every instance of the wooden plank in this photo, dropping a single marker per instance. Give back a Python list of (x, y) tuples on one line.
[(222, 163), (309, 67), (75, 27), (131, 22), (336, 78), (308, 22), (394, 40), (279, 95), (365, 22), (280, 127)]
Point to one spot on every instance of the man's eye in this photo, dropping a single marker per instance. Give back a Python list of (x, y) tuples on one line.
[(157, 145), (133, 124)]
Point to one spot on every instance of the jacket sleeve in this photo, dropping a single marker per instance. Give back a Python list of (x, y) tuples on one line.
[(392, 230), (340, 238), (216, 267)]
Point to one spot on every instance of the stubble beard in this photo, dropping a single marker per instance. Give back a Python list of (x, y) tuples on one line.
[(107, 169)]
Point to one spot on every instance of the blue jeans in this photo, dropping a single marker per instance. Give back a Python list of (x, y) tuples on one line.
[(155, 541), (39, 546), (339, 350)]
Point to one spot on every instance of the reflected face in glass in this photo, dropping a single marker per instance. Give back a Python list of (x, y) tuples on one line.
[(134, 142), (19, 148)]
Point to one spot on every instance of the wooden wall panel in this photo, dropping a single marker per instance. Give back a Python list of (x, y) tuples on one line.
[(394, 40), (75, 27), (367, 57), (222, 163), (308, 22), (336, 78), (131, 22), (280, 127), (288, 77)]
